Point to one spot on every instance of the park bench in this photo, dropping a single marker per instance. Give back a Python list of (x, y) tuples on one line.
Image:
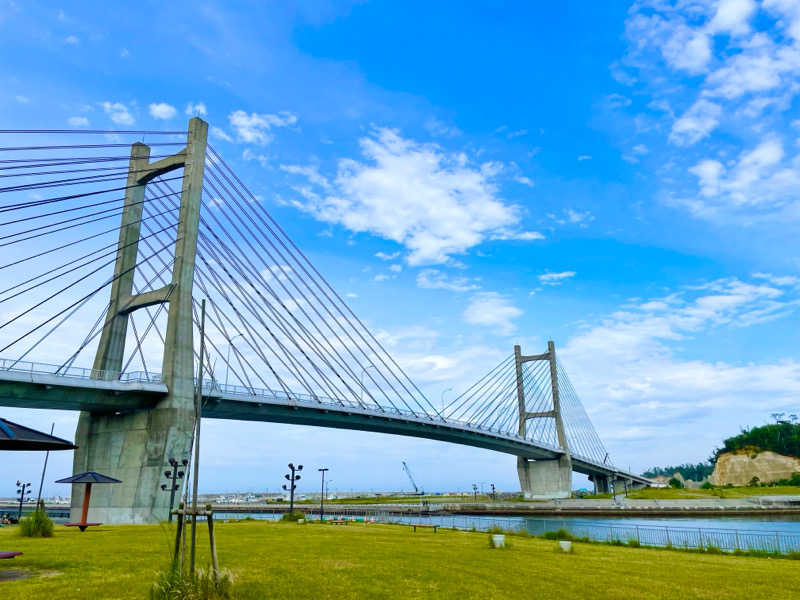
[(337, 521), (9, 554), (434, 527), (82, 526)]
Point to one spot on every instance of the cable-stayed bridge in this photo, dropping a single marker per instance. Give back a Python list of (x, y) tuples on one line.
[(108, 246)]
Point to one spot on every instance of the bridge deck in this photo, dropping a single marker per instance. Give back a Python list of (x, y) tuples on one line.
[(37, 386)]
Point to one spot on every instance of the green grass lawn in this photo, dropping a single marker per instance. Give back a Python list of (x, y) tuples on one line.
[(285, 561), (734, 492)]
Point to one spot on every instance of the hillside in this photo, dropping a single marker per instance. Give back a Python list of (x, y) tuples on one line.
[(781, 438)]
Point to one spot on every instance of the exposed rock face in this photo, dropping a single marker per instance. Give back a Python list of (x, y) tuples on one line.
[(740, 468)]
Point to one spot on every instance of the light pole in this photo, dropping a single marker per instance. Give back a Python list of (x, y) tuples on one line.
[(292, 478), (443, 393), (23, 489), (172, 477), (322, 496), (363, 371), (228, 359), (494, 493), (474, 492)]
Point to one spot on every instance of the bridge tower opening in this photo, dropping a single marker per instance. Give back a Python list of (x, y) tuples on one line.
[(543, 478), (135, 447)]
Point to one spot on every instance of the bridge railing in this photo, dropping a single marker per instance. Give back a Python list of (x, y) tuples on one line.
[(39, 368)]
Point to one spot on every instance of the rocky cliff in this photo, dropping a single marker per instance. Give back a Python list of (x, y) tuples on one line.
[(739, 468)]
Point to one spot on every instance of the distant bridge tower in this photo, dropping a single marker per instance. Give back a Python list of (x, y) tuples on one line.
[(542, 479), (136, 447)]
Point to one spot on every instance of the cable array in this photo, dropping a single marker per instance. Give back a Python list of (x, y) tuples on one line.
[(491, 404)]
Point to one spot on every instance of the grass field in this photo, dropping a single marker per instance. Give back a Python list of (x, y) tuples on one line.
[(734, 492), (285, 561)]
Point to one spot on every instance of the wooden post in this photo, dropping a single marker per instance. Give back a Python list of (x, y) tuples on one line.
[(212, 542), (86, 495), (178, 535)]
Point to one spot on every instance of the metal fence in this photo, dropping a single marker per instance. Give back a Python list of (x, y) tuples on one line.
[(727, 540)]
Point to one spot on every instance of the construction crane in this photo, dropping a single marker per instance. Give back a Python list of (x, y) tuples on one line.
[(417, 491)]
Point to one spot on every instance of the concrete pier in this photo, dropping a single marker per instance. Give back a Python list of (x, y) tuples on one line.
[(136, 446), (545, 479)]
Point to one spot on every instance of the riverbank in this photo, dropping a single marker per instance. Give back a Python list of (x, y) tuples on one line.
[(382, 561)]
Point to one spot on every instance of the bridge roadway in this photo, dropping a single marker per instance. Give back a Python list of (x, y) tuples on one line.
[(34, 385)]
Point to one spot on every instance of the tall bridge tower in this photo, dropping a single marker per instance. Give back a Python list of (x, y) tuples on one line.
[(135, 447), (543, 478)]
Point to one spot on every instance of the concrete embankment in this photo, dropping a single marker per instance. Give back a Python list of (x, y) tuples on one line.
[(753, 506)]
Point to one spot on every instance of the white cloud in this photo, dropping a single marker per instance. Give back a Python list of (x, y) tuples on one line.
[(254, 128), (760, 179), (196, 108), (733, 16), (631, 373), (490, 309), (396, 268), (434, 279), (696, 123), (385, 256), (78, 122), (583, 157), (687, 49), (118, 113), (555, 278), (434, 203), (220, 134), (524, 180), (381, 277), (162, 110), (72, 40)]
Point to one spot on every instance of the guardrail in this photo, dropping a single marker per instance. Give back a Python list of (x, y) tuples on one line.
[(37, 368)]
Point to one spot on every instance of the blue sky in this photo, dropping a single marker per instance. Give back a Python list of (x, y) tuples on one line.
[(619, 177)]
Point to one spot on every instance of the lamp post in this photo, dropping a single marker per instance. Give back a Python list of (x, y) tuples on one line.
[(322, 496), (228, 359), (494, 493), (443, 393), (23, 489), (172, 477), (474, 492), (291, 479)]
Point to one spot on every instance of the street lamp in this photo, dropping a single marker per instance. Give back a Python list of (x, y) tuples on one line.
[(228, 359), (23, 489), (474, 492), (322, 496), (443, 393), (172, 477), (291, 479), (494, 493)]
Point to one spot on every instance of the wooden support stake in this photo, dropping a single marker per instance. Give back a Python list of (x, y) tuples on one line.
[(178, 535), (214, 563)]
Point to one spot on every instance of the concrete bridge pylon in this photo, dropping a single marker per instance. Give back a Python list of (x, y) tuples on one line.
[(135, 447), (543, 478)]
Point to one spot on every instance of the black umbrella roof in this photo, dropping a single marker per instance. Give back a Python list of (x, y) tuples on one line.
[(18, 437), (89, 477)]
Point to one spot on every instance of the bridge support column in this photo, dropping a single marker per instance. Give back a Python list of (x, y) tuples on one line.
[(602, 484), (545, 479), (136, 447)]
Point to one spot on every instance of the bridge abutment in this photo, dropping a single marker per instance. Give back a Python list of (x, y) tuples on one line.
[(545, 479)]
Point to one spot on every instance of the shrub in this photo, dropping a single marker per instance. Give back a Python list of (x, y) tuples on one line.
[(38, 524), (706, 486), (674, 482), (174, 584), (559, 534), (710, 549), (634, 543), (293, 516), (616, 542)]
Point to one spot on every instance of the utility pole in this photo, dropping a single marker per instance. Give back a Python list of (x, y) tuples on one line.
[(291, 479), (44, 468), (322, 496)]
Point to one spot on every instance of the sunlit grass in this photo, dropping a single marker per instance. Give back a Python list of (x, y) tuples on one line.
[(286, 560)]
